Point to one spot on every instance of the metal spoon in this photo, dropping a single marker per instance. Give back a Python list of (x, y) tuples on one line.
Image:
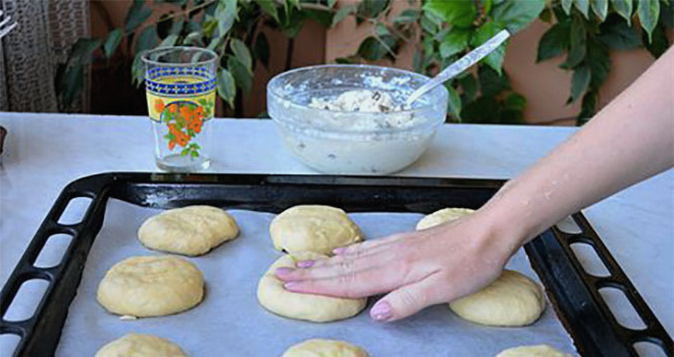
[(459, 66)]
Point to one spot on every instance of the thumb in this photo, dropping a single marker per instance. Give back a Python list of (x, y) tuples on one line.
[(406, 301)]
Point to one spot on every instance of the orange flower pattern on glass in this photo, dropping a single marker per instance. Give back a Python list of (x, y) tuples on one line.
[(184, 121), (158, 105)]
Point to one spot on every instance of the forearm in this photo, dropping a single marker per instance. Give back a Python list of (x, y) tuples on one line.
[(629, 140)]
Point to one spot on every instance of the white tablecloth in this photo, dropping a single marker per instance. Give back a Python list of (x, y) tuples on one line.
[(44, 152)]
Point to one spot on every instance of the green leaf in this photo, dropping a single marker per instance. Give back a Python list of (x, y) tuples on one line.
[(583, 6), (193, 38), (667, 12), (226, 86), (176, 28), (454, 102), (599, 61), (491, 83), (169, 41), (137, 70), (407, 16), (554, 41), (546, 15), (469, 87), (82, 50), (579, 82), (600, 8), (659, 43), (566, 5), (516, 15), (331, 3), (242, 77), (484, 109), (515, 101), (373, 49), (209, 25), (487, 5), (381, 30), (147, 39), (321, 16), (225, 13), (269, 8), (71, 83), (372, 8), (342, 13), (460, 13), (649, 11), (454, 42), (587, 108), (617, 35), (624, 8), (427, 24), (261, 48), (112, 41), (484, 33), (578, 43), (242, 53), (136, 15)]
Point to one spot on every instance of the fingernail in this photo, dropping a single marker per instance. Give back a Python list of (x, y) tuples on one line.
[(339, 250), (291, 285), (284, 271), (305, 263), (381, 311)]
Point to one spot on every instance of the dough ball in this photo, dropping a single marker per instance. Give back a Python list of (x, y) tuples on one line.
[(532, 351), (151, 286), (511, 300), (318, 308), (318, 347), (192, 230), (313, 228), (137, 345), (442, 216)]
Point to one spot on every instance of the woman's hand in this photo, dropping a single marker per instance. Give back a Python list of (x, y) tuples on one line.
[(419, 269)]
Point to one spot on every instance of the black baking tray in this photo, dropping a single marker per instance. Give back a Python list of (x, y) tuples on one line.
[(573, 292)]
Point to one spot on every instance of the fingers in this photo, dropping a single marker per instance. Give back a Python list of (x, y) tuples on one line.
[(408, 299), (353, 285), (336, 266), (362, 248)]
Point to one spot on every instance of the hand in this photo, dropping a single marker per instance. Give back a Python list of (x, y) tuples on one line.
[(419, 269)]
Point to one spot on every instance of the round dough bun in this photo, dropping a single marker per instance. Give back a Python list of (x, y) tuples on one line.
[(192, 230), (511, 300), (532, 351), (313, 228), (151, 286), (442, 216), (318, 308), (319, 347), (136, 345)]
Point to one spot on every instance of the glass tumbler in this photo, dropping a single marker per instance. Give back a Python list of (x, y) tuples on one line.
[(180, 91)]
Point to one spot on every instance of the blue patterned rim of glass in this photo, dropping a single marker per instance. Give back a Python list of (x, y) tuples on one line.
[(179, 89)]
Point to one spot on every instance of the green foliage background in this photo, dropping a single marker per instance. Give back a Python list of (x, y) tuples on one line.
[(585, 31)]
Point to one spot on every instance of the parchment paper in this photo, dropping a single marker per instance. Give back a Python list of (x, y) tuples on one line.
[(230, 322)]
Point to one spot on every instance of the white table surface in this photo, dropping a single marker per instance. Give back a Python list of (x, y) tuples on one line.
[(44, 152)]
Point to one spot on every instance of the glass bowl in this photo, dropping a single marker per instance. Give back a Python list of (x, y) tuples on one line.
[(347, 142)]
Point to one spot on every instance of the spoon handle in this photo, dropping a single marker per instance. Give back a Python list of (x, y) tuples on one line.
[(462, 64)]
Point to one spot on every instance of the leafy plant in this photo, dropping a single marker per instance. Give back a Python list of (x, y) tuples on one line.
[(231, 28), (586, 31), (442, 31)]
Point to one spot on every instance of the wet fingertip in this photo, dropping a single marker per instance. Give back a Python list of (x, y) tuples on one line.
[(291, 285), (381, 311), (305, 263)]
